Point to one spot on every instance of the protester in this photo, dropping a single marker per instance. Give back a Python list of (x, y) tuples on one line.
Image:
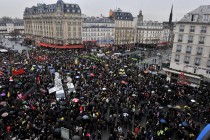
[(112, 98)]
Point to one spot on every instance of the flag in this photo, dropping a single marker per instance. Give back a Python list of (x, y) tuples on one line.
[(8, 94), (27, 55), (1, 73), (18, 72)]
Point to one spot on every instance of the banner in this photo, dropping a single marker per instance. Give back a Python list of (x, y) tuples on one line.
[(18, 72), (51, 90)]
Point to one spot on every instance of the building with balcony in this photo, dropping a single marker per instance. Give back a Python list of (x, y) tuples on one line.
[(124, 29), (191, 47), (101, 30), (8, 25), (58, 23)]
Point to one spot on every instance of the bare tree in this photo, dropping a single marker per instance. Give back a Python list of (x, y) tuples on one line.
[(14, 34)]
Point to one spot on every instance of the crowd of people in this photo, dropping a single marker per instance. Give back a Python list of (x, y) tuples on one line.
[(112, 100)]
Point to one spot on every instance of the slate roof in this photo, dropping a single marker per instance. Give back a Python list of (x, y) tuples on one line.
[(200, 11), (98, 20), (119, 15), (51, 8)]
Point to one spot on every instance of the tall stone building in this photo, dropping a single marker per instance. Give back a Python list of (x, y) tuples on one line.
[(191, 47), (58, 23), (124, 30), (99, 29), (8, 25)]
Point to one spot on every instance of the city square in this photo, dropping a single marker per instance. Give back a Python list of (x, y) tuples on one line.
[(65, 75)]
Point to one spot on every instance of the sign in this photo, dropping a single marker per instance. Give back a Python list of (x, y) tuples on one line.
[(51, 90), (64, 133)]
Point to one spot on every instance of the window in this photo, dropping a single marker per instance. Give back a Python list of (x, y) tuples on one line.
[(187, 59), (181, 28), (192, 28), (177, 57), (189, 49), (201, 40), (197, 61), (180, 38), (205, 17), (178, 48), (203, 29), (190, 39), (194, 18), (199, 51), (208, 63)]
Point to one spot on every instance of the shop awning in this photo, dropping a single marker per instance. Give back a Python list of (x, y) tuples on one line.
[(60, 47)]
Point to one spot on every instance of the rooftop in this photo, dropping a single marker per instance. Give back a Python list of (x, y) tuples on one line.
[(197, 15)]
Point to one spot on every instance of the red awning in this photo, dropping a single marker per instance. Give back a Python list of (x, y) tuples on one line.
[(61, 47)]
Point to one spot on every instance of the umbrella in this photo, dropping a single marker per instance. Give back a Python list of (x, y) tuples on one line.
[(5, 114), (97, 96), (53, 103), (169, 90), (157, 103), (125, 114), (184, 124), (85, 117), (62, 103), (92, 75), (92, 103), (169, 106), (134, 95), (24, 102), (75, 100), (123, 82), (78, 118), (193, 101), (57, 130), (162, 121), (166, 86), (11, 112), (3, 103), (3, 94), (177, 107), (124, 110), (160, 107), (2, 86), (76, 137), (103, 88), (77, 77)]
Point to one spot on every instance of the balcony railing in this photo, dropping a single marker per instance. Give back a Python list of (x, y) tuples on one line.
[(176, 60), (181, 30), (178, 50), (179, 40), (203, 31), (208, 65), (190, 41), (199, 53), (197, 64), (201, 42), (192, 30), (188, 51), (186, 62)]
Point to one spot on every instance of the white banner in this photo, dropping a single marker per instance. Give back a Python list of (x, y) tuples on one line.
[(51, 90), (64, 133)]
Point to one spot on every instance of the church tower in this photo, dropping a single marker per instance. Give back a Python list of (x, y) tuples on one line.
[(140, 16)]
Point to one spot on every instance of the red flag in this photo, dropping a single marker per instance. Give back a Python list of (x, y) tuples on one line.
[(1, 73), (18, 72)]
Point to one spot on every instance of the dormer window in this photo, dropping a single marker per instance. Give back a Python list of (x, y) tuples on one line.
[(206, 18), (194, 18)]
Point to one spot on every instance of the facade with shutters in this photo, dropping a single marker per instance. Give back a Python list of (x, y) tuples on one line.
[(101, 30), (8, 25), (124, 27), (59, 23), (191, 46)]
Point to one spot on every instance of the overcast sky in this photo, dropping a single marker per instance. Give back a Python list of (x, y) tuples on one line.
[(152, 9)]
